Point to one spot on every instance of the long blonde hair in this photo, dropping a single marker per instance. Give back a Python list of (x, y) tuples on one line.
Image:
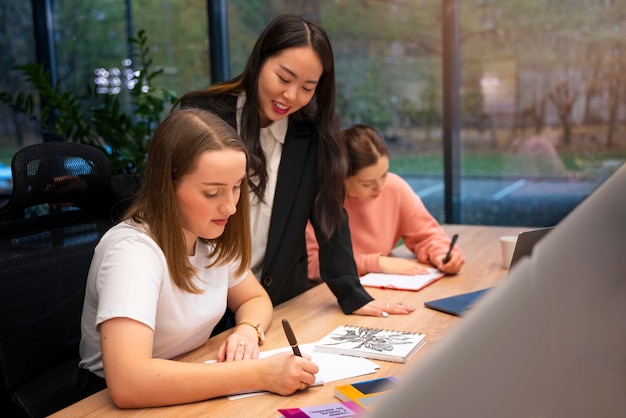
[(172, 153)]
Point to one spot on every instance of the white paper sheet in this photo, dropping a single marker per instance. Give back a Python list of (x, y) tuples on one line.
[(332, 367)]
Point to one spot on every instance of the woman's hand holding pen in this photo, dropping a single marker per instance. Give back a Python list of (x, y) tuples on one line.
[(452, 261), (286, 373), (454, 264)]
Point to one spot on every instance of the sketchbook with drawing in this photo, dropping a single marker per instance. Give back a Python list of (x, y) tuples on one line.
[(372, 343)]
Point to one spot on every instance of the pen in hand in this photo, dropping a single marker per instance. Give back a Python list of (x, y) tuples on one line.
[(447, 257), (291, 338)]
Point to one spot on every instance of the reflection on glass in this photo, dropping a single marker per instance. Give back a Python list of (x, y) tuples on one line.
[(539, 117), (17, 44), (388, 71), (541, 97), (542, 122), (93, 48)]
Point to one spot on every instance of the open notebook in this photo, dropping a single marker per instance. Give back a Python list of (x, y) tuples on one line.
[(402, 281), (459, 305)]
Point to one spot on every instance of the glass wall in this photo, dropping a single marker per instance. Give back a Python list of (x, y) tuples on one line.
[(17, 44), (543, 106), (541, 95), (388, 64), (94, 57), (542, 113), (92, 44)]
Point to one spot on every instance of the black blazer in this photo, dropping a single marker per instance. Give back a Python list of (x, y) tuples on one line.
[(285, 264)]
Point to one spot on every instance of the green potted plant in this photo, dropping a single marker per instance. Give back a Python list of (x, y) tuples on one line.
[(100, 119)]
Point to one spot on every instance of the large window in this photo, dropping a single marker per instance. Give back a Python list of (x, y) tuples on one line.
[(17, 44), (91, 36), (388, 64), (91, 50), (543, 106), (541, 95), (541, 84)]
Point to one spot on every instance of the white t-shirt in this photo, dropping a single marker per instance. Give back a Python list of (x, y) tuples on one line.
[(129, 278)]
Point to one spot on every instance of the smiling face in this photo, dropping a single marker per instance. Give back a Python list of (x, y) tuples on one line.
[(287, 83), (368, 183), (208, 195)]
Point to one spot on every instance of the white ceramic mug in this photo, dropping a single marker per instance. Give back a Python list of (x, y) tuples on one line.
[(508, 246)]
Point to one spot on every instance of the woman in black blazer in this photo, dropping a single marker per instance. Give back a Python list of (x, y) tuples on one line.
[(283, 106)]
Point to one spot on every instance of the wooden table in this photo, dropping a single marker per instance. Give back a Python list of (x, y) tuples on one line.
[(315, 313)]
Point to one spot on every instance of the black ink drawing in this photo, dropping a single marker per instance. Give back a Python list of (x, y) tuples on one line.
[(374, 339)]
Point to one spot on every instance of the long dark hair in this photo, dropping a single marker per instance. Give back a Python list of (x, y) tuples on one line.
[(291, 31)]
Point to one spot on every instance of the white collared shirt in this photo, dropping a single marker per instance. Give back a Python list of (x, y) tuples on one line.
[(272, 139)]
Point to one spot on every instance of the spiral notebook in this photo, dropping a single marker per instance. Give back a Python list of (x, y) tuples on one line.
[(372, 343)]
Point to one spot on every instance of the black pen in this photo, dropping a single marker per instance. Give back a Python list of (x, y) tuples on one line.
[(291, 338), (447, 257)]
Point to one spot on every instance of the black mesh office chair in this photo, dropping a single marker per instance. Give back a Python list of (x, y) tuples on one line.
[(44, 261), (59, 174)]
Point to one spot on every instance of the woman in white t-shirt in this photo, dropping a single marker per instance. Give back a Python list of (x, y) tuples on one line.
[(161, 280)]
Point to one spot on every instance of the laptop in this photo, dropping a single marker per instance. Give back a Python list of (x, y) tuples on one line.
[(459, 305)]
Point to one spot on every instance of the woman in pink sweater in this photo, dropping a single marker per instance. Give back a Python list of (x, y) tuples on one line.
[(382, 209)]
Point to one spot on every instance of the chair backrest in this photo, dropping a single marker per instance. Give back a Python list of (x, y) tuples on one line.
[(44, 261), (57, 172)]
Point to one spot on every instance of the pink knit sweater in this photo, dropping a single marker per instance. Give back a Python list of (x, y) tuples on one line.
[(377, 226)]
